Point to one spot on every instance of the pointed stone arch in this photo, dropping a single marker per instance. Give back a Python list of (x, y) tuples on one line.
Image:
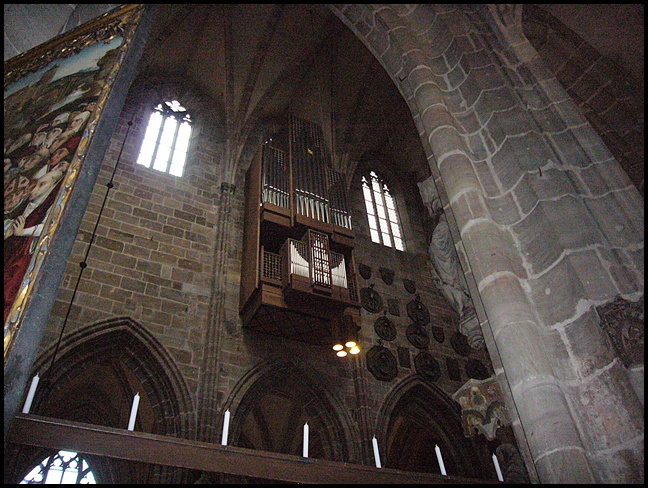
[(95, 374), (291, 393), (120, 341), (415, 417)]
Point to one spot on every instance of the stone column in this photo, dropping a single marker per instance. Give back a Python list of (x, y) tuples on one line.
[(210, 414), (549, 225)]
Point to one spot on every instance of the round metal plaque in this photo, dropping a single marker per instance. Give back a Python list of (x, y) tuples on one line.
[(418, 336), (371, 300), (385, 328), (382, 363), (418, 312)]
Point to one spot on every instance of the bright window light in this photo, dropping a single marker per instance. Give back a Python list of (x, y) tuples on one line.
[(166, 140), (62, 468), (381, 212)]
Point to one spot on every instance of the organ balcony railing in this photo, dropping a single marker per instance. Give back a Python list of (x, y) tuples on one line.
[(310, 267)]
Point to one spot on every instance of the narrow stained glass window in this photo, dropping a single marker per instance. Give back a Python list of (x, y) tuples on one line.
[(166, 140), (381, 212), (62, 468)]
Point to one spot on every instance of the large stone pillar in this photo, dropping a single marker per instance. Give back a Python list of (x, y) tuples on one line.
[(547, 223)]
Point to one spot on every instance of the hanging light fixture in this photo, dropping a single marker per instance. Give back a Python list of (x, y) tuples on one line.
[(346, 334)]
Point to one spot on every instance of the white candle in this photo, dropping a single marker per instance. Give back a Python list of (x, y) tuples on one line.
[(497, 468), (133, 415), (374, 441), (30, 395), (305, 453), (440, 459), (225, 427)]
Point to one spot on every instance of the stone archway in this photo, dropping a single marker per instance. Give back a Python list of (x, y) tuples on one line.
[(271, 404), (415, 418), (93, 379)]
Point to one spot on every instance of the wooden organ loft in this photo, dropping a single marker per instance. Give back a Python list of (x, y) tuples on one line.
[(298, 276)]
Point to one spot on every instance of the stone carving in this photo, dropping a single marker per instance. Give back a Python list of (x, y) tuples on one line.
[(417, 336), (447, 273), (385, 328), (387, 275), (418, 312), (470, 328), (371, 299), (623, 321), (512, 464), (382, 363), (427, 366), (482, 407)]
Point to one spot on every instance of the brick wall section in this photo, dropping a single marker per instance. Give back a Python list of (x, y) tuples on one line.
[(414, 265), (151, 259)]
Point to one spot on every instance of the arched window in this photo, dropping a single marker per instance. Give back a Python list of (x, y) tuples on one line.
[(381, 212), (167, 138), (63, 468)]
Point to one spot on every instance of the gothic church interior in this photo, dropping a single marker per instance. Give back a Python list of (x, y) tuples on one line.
[(390, 243)]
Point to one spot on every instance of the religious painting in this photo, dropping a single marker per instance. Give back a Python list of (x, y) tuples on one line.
[(53, 99)]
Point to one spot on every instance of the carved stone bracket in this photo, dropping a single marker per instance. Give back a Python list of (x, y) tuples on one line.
[(623, 321), (482, 407)]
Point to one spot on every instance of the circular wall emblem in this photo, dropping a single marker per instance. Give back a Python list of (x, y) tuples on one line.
[(427, 366), (382, 363), (418, 312), (417, 335), (385, 328), (371, 299)]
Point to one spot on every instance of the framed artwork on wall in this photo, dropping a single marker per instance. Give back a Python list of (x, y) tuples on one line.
[(54, 98)]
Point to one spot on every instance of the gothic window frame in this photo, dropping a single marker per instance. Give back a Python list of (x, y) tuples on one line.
[(383, 217), (166, 140), (62, 467)]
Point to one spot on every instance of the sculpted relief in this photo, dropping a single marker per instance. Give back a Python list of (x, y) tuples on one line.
[(447, 272)]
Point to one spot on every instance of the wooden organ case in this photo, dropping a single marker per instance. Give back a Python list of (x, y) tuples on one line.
[(298, 277)]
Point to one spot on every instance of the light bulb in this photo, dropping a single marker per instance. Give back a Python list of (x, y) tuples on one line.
[(350, 344), (341, 354), (338, 347), (354, 350)]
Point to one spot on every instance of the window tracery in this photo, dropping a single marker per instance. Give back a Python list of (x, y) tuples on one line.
[(384, 225), (166, 140)]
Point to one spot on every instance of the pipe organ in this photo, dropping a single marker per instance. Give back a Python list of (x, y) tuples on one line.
[(298, 275)]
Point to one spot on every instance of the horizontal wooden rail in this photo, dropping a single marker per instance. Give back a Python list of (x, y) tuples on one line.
[(171, 451)]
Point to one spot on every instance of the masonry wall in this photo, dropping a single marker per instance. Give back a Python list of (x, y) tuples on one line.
[(166, 255)]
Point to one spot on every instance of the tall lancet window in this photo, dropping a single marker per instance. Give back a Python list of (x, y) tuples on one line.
[(166, 140), (381, 212)]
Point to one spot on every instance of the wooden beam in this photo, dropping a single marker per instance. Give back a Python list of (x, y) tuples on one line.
[(171, 451)]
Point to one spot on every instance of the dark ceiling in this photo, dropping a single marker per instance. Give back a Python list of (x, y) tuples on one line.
[(277, 47)]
